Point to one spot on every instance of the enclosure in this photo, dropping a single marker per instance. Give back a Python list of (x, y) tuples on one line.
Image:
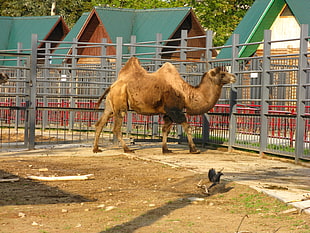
[(51, 94)]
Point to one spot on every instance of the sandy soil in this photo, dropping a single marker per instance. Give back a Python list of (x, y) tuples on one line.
[(130, 194)]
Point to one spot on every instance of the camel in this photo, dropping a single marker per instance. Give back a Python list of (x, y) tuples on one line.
[(162, 92), (3, 77)]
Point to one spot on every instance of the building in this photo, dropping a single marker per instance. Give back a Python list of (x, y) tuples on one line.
[(19, 30), (283, 17), (111, 23)]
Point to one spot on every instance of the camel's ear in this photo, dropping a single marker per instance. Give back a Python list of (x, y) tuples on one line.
[(215, 71)]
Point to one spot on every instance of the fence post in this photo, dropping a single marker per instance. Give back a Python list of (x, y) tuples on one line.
[(133, 40), (18, 77), (183, 46), (209, 48), (103, 60), (301, 92), (206, 117), (46, 73), (119, 55), (31, 86), (72, 84), (233, 92), (157, 63), (265, 81), (158, 50)]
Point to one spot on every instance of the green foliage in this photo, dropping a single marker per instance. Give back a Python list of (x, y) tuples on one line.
[(221, 16)]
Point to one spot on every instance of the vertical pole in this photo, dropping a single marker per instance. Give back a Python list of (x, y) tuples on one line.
[(233, 92), (133, 40), (158, 50), (31, 86), (103, 66), (301, 93), (72, 84), (206, 117), (103, 60), (157, 64), (18, 77), (209, 46), (118, 65), (183, 52), (119, 55), (266, 76), (45, 83), (182, 71)]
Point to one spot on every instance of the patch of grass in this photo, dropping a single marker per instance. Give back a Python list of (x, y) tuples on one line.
[(257, 203)]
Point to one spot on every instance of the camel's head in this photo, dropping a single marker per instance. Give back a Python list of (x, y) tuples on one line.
[(221, 77), (3, 78)]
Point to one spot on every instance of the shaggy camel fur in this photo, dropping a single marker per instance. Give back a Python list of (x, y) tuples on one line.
[(3, 78), (162, 92)]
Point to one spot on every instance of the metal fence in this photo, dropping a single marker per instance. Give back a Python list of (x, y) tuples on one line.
[(52, 91)]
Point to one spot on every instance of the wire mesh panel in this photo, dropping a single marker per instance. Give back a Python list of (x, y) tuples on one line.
[(267, 109)]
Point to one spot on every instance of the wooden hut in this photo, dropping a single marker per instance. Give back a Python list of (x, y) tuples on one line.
[(19, 30), (111, 23), (283, 17)]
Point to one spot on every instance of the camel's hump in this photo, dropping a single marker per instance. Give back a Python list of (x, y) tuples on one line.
[(168, 67)]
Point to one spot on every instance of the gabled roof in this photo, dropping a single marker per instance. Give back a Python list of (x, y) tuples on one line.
[(111, 23), (142, 23), (20, 29), (74, 32), (260, 17)]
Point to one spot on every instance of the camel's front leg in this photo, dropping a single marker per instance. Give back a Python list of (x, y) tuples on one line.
[(191, 144), (118, 120), (166, 129)]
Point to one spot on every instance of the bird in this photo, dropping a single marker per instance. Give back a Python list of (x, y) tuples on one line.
[(214, 177)]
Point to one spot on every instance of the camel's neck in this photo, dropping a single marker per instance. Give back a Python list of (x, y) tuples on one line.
[(202, 98)]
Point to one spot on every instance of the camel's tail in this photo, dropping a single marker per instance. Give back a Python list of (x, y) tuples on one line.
[(102, 97)]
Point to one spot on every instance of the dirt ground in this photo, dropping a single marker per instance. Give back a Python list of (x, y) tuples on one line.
[(130, 194)]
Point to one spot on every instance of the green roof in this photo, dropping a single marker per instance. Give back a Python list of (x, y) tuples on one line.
[(20, 29), (260, 17), (144, 24), (77, 27)]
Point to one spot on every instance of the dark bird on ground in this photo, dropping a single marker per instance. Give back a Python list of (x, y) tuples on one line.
[(214, 177)]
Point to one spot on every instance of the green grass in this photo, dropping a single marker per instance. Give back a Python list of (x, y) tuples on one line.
[(257, 203)]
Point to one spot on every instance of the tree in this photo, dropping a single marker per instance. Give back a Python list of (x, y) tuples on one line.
[(221, 16), (71, 10)]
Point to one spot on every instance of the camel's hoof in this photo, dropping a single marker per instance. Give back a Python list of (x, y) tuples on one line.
[(167, 151), (97, 150), (195, 152)]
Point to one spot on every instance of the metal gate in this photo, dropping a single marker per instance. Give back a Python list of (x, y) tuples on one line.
[(52, 92)]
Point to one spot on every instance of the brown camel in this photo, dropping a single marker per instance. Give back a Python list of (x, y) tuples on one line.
[(3, 78), (162, 92)]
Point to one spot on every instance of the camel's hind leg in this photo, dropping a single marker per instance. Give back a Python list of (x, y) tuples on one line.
[(191, 144), (179, 117), (118, 120), (166, 129), (107, 114)]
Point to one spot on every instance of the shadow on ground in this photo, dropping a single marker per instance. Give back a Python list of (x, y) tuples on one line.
[(153, 215), (29, 192)]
